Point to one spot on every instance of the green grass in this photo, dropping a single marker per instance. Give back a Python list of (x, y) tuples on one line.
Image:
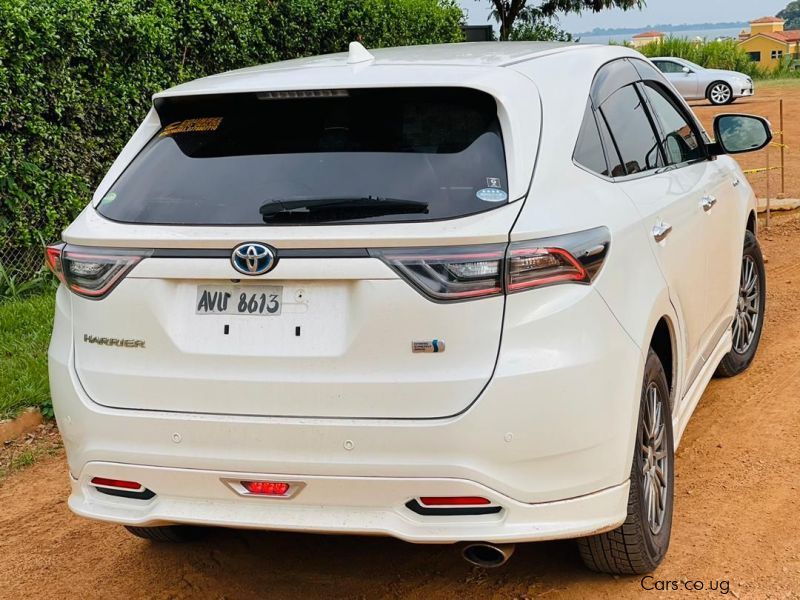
[(21, 454), (25, 326), (780, 83)]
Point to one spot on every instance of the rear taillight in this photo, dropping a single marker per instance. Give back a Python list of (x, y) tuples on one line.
[(470, 272), (94, 272), (572, 258), (52, 258), (450, 273)]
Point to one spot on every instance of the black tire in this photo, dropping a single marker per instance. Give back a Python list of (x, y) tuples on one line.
[(637, 547), (738, 360), (167, 533), (713, 97)]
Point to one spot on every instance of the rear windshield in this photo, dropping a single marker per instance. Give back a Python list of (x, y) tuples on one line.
[(340, 156)]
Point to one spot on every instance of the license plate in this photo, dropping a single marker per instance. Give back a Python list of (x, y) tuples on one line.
[(256, 300)]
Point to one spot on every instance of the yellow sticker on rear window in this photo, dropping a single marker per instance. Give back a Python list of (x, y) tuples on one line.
[(189, 125)]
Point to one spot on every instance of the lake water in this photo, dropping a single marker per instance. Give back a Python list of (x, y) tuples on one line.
[(709, 34)]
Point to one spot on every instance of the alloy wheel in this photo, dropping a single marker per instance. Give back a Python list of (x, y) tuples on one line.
[(654, 458), (720, 94), (748, 307)]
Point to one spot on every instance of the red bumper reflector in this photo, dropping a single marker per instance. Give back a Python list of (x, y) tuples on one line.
[(117, 483), (453, 500), (266, 488)]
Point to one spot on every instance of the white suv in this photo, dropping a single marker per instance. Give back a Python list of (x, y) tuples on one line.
[(457, 293)]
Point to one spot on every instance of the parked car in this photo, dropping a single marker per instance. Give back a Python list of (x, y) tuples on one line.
[(430, 293), (695, 82)]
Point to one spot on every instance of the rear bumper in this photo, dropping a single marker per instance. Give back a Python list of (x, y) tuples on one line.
[(351, 505), (550, 440)]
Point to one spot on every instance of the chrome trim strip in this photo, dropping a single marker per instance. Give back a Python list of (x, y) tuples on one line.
[(279, 253)]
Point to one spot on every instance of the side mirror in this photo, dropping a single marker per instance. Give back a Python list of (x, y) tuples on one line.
[(686, 70), (740, 133)]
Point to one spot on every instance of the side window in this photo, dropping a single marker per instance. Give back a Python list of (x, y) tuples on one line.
[(589, 149), (612, 153), (629, 124), (667, 66), (680, 140)]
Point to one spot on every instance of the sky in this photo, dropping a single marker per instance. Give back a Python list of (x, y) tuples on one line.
[(657, 11)]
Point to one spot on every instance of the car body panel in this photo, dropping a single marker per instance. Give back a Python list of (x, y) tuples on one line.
[(340, 347), (508, 440), (674, 199), (729, 214)]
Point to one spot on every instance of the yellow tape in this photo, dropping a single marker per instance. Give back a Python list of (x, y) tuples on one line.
[(753, 171)]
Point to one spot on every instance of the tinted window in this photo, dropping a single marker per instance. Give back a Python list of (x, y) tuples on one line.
[(646, 70), (667, 66), (611, 77), (680, 141), (420, 153), (630, 127), (589, 149), (616, 167)]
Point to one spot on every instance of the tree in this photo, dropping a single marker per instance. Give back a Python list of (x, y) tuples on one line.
[(791, 14), (538, 32), (532, 12)]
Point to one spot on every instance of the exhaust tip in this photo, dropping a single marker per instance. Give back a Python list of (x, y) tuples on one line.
[(488, 556)]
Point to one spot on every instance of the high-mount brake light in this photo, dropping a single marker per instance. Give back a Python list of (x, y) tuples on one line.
[(94, 272), (302, 94), (52, 258)]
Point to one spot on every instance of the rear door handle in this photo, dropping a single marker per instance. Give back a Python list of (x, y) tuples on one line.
[(661, 230), (708, 202)]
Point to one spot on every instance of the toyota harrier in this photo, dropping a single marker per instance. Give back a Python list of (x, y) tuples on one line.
[(462, 293)]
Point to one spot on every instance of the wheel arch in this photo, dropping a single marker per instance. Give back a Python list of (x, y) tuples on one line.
[(752, 223), (660, 330), (663, 341)]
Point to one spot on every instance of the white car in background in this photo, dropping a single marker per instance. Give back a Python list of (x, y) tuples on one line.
[(431, 292), (694, 82)]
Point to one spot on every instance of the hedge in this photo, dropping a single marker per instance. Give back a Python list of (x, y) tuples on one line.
[(76, 77), (719, 54)]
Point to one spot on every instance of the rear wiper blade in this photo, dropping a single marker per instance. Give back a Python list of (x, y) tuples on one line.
[(372, 204)]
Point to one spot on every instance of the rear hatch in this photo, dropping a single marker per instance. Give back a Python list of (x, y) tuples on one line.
[(382, 211)]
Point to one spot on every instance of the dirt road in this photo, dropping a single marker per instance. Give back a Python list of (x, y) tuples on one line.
[(736, 515)]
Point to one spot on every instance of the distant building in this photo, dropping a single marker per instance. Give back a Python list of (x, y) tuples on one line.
[(647, 37), (768, 43)]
